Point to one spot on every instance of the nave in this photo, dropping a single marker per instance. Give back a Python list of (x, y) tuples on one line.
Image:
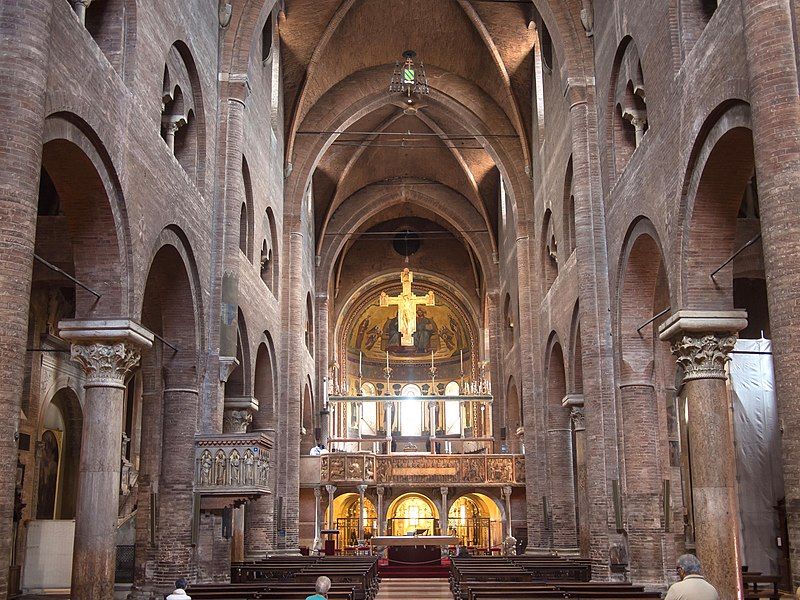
[(290, 287)]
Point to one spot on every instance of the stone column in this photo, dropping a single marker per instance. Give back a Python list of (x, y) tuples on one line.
[(771, 61), (317, 545), (702, 342), (381, 517), (25, 47), (361, 490), (578, 417), (107, 351), (510, 542), (389, 410), (443, 521), (80, 6), (432, 424), (331, 489)]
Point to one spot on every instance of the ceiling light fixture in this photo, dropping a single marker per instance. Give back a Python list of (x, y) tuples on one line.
[(408, 78)]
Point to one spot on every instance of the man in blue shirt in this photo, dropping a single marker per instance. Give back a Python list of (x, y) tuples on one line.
[(322, 587)]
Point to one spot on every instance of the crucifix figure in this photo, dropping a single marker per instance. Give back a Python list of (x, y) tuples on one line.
[(407, 304)]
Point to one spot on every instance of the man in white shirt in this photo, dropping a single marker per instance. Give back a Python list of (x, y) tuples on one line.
[(692, 585)]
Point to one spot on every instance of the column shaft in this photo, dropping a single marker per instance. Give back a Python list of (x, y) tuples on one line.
[(361, 490), (94, 556), (716, 516), (106, 350), (581, 489), (714, 483), (24, 46), (775, 105)]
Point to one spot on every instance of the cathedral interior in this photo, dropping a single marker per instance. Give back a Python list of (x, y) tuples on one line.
[(283, 278)]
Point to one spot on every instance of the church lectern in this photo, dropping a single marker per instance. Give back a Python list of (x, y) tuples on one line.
[(330, 544)]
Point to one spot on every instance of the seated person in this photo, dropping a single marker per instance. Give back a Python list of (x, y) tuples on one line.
[(322, 587)]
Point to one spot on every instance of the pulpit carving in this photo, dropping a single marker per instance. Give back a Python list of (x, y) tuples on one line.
[(231, 468)]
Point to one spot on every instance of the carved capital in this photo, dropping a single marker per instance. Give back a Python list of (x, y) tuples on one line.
[(317, 492), (331, 489), (507, 492), (361, 489), (380, 490), (443, 491), (578, 416), (227, 365), (703, 356), (106, 364), (236, 421)]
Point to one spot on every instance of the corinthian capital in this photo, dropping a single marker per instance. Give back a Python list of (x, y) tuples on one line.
[(703, 356), (703, 340), (106, 364), (106, 349), (578, 417)]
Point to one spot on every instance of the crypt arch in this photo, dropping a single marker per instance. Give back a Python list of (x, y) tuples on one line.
[(476, 519), (412, 510)]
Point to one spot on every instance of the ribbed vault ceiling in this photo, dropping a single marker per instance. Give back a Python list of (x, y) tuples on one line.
[(478, 57)]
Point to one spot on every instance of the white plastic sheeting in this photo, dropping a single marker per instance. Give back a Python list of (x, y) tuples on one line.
[(758, 452)]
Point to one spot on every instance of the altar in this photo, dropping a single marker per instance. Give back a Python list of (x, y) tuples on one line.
[(413, 549)]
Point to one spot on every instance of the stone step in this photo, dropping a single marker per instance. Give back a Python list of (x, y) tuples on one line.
[(418, 589)]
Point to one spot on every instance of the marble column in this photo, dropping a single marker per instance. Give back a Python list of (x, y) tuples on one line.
[(331, 489), (702, 342), (443, 521), (381, 517), (389, 412), (361, 490), (578, 416), (80, 6), (510, 542), (107, 351), (770, 37), (432, 424), (317, 545)]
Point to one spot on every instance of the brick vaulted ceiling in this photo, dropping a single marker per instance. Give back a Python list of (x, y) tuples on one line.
[(338, 57)]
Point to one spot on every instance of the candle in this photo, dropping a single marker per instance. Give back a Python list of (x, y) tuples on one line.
[(360, 355), (462, 362), (387, 359), (431, 358)]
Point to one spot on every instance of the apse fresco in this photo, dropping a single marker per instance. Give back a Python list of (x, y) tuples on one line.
[(439, 329)]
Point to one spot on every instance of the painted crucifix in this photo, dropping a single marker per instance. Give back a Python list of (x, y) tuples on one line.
[(407, 304)]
